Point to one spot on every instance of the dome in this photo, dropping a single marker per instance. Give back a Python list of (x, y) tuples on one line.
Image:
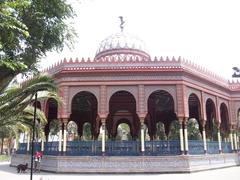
[(123, 47)]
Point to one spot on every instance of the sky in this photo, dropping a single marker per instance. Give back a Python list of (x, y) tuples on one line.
[(206, 32)]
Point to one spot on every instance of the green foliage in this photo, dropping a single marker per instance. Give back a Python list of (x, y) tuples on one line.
[(28, 29), (174, 131), (193, 130), (15, 99), (87, 134), (160, 133), (123, 132), (4, 158), (54, 127)]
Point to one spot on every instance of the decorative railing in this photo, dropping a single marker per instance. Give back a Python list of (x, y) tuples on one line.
[(195, 147), (83, 148), (122, 148), (162, 148), (126, 148), (212, 147), (22, 148), (226, 147), (51, 148)]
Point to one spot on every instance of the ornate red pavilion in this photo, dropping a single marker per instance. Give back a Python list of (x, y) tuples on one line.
[(170, 106)]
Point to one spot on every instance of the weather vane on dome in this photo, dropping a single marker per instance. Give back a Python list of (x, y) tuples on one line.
[(122, 23)]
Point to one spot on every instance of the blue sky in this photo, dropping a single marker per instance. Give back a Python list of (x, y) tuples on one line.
[(206, 32)]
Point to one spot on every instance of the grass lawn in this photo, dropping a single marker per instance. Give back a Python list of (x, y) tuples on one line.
[(4, 158)]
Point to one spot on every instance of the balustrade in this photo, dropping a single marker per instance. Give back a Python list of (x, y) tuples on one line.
[(126, 148)]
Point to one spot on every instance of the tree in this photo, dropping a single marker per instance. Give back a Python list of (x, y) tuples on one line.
[(16, 115), (193, 130), (14, 100), (28, 29)]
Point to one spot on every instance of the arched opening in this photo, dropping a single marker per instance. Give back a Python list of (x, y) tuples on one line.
[(224, 127), (160, 109), (211, 126), (72, 131), (123, 132), (122, 109), (54, 130), (84, 110), (194, 125), (52, 111), (87, 132)]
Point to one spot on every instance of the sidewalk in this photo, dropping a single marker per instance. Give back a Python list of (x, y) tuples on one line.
[(10, 173)]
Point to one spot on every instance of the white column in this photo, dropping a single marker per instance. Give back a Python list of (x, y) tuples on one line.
[(238, 144), (142, 138), (204, 140), (235, 141), (231, 140), (28, 142), (181, 137), (64, 136), (219, 141), (186, 137), (103, 135), (60, 138), (42, 145)]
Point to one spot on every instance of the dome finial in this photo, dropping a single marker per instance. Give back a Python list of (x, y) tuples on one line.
[(122, 22)]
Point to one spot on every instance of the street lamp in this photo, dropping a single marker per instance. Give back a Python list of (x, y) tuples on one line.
[(33, 134), (236, 73)]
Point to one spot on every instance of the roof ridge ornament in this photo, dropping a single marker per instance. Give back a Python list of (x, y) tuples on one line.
[(122, 23)]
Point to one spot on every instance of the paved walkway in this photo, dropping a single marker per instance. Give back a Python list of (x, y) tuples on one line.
[(10, 173)]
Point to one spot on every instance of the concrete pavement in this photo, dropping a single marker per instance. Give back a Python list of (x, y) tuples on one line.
[(10, 173)]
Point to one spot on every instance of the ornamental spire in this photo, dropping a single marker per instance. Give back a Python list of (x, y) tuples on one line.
[(122, 23)]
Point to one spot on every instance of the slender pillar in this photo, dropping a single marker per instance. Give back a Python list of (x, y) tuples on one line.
[(185, 137), (238, 143), (28, 142), (219, 141), (64, 136), (42, 145), (231, 139), (181, 137), (103, 135), (60, 138), (142, 137), (204, 139), (235, 141)]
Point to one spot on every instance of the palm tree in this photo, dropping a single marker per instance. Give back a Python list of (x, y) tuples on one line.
[(16, 113), (15, 99)]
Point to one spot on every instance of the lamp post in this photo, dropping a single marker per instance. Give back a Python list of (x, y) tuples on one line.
[(33, 134)]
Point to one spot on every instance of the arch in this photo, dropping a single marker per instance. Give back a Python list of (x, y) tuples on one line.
[(193, 129), (123, 131), (51, 114), (84, 108), (73, 91), (53, 129), (111, 90), (211, 124), (224, 115), (167, 88), (122, 109), (194, 109), (87, 131), (160, 109), (72, 130)]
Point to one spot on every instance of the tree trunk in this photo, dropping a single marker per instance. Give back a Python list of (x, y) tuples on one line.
[(2, 145)]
